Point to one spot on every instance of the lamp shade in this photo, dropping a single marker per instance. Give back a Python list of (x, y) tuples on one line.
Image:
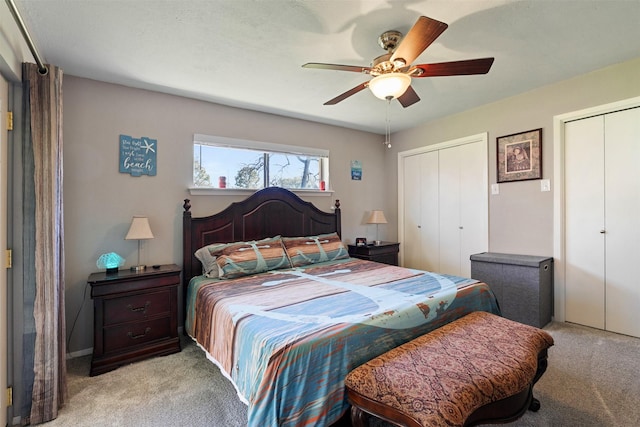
[(139, 229), (377, 217), (390, 85)]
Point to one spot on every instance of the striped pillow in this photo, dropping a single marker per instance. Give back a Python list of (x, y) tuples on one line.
[(208, 261), (313, 249), (245, 258)]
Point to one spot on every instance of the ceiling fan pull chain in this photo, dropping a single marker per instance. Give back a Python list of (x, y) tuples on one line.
[(387, 128)]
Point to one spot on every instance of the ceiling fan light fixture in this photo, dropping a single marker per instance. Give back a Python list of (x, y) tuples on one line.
[(389, 85)]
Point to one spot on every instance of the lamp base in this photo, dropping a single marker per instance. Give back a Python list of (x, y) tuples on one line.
[(138, 268)]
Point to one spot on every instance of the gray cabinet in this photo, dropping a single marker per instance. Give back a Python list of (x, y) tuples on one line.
[(522, 284)]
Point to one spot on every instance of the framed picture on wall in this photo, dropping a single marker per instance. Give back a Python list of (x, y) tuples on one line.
[(520, 156)]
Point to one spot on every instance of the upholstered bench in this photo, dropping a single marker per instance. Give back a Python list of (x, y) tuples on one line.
[(478, 369)]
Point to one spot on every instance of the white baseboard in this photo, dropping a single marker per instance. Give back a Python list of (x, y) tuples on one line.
[(80, 353)]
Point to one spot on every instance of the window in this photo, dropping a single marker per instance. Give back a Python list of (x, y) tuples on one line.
[(238, 164)]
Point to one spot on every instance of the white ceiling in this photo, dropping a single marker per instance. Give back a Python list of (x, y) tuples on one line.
[(248, 53)]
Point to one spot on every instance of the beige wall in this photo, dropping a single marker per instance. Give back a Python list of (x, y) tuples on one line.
[(13, 49), (521, 216), (100, 201)]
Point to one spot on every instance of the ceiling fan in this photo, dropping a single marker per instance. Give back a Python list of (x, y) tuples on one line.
[(392, 72)]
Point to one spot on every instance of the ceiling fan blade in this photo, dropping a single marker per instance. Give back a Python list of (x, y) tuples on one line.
[(419, 37), (454, 68), (338, 67), (347, 94), (408, 98)]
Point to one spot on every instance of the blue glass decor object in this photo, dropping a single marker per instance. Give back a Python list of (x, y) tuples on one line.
[(110, 262)]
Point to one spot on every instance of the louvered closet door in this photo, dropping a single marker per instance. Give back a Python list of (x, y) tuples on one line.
[(584, 222), (420, 244), (622, 216)]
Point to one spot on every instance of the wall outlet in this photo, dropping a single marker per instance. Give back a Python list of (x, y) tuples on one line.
[(545, 185)]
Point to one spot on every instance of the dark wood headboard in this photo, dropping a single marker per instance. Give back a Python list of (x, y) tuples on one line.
[(266, 213)]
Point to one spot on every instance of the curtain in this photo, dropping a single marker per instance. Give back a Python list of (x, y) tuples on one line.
[(44, 238)]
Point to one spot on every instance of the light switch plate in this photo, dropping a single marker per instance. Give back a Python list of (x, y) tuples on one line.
[(545, 185), (495, 189)]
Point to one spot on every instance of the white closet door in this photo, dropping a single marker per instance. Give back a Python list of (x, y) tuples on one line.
[(412, 241), (463, 207), (450, 221), (584, 222), (445, 203), (430, 207), (622, 248), (474, 203), (420, 244)]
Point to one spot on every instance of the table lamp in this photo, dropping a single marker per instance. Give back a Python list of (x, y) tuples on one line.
[(139, 230), (377, 218)]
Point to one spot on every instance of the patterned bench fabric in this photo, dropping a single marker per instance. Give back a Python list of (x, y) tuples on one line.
[(442, 377)]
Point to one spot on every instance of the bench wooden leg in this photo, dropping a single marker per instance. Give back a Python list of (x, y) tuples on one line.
[(359, 418), (543, 363), (534, 406)]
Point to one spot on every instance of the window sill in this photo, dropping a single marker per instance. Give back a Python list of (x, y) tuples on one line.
[(200, 191)]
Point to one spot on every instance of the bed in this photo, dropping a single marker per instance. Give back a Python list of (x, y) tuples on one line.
[(289, 322)]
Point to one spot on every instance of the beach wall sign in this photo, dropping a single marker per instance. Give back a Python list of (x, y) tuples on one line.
[(138, 156)]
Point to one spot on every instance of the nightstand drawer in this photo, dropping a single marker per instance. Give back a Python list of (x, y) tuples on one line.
[(136, 307), (132, 334)]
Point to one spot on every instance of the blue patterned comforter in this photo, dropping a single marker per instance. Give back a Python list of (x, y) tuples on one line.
[(288, 338)]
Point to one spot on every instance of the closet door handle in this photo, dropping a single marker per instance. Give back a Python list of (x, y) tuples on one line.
[(602, 231)]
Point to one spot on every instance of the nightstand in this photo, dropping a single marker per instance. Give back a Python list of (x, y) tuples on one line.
[(385, 252), (135, 316)]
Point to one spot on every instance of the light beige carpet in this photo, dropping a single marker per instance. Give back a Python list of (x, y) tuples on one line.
[(182, 389), (593, 380)]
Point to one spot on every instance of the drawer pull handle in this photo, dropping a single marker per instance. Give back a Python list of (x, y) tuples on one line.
[(138, 309), (135, 337)]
